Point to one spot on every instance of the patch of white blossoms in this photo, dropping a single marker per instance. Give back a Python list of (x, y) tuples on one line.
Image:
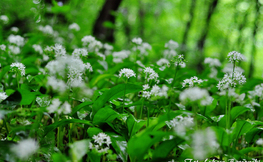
[(170, 52), (154, 91), (25, 148), (230, 80), (46, 29), (3, 96), (204, 144), (137, 41), (150, 74), (192, 82), (212, 62), (2, 47), (120, 56), (59, 50), (37, 48), (74, 26), (181, 124), (18, 67), (56, 106), (14, 49), (101, 143), (257, 92), (92, 44), (235, 57), (80, 52), (229, 68), (16, 39), (127, 73), (196, 95), (4, 19)]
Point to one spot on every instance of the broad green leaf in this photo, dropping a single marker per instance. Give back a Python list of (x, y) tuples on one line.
[(139, 144), (79, 107), (134, 125), (241, 128), (206, 110), (163, 150), (250, 149), (64, 122), (58, 157), (94, 156), (105, 115), (4, 71), (119, 144), (114, 93), (93, 131), (12, 100), (27, 96), (79, 149), (95, 80), (254, 133), (222, 136)]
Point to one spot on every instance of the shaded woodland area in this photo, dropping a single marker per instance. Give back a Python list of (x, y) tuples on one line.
[(201, 27)]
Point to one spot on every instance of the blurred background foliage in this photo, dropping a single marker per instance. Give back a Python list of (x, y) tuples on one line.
[(203, 28)]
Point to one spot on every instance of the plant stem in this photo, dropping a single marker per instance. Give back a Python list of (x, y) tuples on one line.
[(172, 85), (142, 108), (124, 96), (148, 116)]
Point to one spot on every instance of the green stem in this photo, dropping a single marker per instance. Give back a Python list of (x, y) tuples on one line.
[(172, 85), (124, 96), (148, 116), (142, 108)]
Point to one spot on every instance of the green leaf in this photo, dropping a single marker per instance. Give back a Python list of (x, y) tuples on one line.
[(27, 96), (134, 125), (163, 150), (222, 136), (93, 131), (58, 157), (114, 93), (4, 71), (95, 80), (120, 146), (64, 122), (79, 107), (241, 128), (254, 133), (12, 100), (105, 115), (250, 149), (139, 144)]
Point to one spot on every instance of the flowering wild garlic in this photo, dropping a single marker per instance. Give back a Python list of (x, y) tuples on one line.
[(191, 82), (14, 29), (137, 41), (14, 49), (16, 39), (3, 96), (150, 74), (57, 107), (74, 26), (230, 81), (46, 29), (37, 48), (212, 62), (235, 57), (2, 47), (101, 143), (127, 73), (181, 124), (4, 19), (120, 56), (25, 148), (18, 67), (80, 52)]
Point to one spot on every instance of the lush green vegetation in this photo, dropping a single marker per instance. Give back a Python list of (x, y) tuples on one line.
[(66, 96)]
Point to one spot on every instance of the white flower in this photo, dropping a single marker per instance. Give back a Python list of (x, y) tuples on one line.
[(257, 92), (151, 74), (56, 84), (127, 73), (191, 82), (80, 52), (143, 48), (4, 18), (137, 41), (87, 39), (25, 148), (79, 148), (54, 106), (146, 86), (37, 48), (169, 54), (21, 67), (181, 124), (229, 68), (108, 47), (172, 45), (65, 108), (2, 47), (162, 62), (230, 80), (3, 96), (14, 29), (99, 141), (16, 39), (163, 91), (14, 49), (155, 90), (74, 26), (235, 57), (121, 55), (146, 94), (46, 29), (195, 94), (259, 141), (204, 143), (212, 62), (59, 50)]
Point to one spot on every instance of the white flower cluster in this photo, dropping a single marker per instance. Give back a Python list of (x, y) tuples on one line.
[(80, 52), (16, 39), (181, 124), (108, 48), (93, 44), (46, 29), (127, 73), (70, 64), (170, 52), (4, 19), (137, 41), (3, 96), (163, 62), (99, 143), (143, 48), (18, 67), (259, 142), (257, 92), (195, 95), (57, 107), (38, 48), (56, 84), (212, 62), (25, 148), (14, 49), (121, 55), (204, 144), (171, 45), (2, 47), (14, 29), (150, 74), (155, 91), (235, 57), (74, 26), (230, 80), (191, 82), (239, 98), (59, 50)]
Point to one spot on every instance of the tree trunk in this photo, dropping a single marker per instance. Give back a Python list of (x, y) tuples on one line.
[(99, 30), (201, 41)]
